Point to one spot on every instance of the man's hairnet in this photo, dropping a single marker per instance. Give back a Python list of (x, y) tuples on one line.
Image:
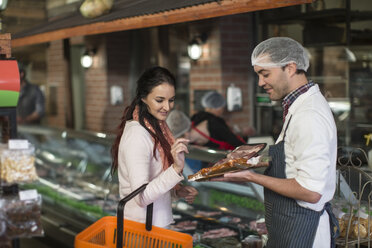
[(213, 99), (280, 51), (178, 123)]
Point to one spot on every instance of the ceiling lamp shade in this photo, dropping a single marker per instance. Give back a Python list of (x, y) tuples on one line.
[(86, 59), (3, 4), (195, 49)]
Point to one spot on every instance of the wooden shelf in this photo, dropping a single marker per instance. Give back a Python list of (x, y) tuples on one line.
[(328, 16)]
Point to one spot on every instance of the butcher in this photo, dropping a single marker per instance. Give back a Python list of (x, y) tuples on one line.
[(301, 179)]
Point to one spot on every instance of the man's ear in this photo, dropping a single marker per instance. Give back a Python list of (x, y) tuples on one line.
[(292, 68)]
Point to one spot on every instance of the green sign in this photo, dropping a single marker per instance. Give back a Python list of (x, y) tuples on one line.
[(8, 98), (263, 99)]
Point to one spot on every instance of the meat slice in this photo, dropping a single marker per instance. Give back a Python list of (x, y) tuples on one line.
[(246, 151), (218, 233), (243, 157)]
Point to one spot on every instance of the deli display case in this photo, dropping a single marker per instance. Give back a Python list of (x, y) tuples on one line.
[(77, 189), (73, 170)]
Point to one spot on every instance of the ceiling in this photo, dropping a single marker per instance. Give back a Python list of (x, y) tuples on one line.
[(33, 23), (21, 15), (124, 15)]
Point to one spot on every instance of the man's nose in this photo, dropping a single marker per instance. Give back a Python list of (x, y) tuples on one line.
[(261, 82)]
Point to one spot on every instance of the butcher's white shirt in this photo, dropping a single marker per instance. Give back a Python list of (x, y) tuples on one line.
[(311, 151), (136, 166)]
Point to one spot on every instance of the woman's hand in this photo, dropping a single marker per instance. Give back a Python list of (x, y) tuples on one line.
[(178, 152), (188, 193)]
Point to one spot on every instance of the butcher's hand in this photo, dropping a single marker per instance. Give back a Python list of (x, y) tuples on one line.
[(187, 192), (240, 176), (178, 152)]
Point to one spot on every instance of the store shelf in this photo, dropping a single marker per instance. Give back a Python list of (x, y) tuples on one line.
[(329, 79), (328, 16)]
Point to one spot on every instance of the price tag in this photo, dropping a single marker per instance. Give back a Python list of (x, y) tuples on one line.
[(25, 195), (17, 144)]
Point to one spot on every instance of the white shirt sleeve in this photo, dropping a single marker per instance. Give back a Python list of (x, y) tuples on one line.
[(139, 166), (309, 153)]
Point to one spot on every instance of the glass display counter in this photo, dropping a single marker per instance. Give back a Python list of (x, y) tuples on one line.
[(77, 189), (73, 170)]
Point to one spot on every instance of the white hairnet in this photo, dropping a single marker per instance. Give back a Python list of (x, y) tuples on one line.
[(178, 123), (213, 99), (280, 51)]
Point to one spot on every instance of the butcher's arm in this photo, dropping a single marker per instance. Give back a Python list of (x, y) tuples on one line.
[(286, 187)]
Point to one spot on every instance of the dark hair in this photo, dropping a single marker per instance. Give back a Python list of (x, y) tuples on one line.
[(151, 78)]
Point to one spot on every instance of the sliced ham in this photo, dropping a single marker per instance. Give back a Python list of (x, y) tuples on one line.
[(243, 157)]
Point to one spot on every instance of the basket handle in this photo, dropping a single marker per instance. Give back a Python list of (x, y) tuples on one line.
[(120, 215)]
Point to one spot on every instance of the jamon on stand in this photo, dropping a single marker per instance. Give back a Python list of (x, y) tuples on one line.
[(242, 158)]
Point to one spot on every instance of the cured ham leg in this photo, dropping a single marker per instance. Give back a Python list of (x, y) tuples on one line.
[(243, 157)]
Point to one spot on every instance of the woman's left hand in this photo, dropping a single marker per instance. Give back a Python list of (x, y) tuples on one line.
[(188, 193)]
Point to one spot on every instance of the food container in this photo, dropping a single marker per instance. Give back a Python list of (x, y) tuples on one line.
[(18, 165), (252, 241)]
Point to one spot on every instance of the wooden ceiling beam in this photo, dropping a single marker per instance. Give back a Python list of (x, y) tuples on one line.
[(193, 13), (32, 13)]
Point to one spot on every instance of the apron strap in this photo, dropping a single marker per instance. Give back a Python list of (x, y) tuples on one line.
[(285, 130), (222, 144), (333, 224)]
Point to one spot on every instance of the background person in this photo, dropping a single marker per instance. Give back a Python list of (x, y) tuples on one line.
[(180, 125), (31, 102), (301, 179), (145, 150), (209, 128)]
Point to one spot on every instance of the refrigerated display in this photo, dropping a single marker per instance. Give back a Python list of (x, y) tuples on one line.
[(77, 189)]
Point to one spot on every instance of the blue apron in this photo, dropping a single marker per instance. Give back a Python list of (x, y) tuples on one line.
[(289, 225)]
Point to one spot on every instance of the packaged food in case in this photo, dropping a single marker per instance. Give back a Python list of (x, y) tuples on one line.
[(252, 241), (21, 217), (355, 225), (362, 225), (18, 165), (5, 241)]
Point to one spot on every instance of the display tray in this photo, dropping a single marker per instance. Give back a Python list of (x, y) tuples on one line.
[(208, 233), (211, 228)]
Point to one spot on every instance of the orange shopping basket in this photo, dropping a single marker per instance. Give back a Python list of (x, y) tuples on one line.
[(103, 233)]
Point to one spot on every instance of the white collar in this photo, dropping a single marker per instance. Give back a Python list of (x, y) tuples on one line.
[(295, 105)]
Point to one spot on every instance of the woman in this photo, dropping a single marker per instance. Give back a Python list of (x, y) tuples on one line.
[(209, 128), (145, 151)]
